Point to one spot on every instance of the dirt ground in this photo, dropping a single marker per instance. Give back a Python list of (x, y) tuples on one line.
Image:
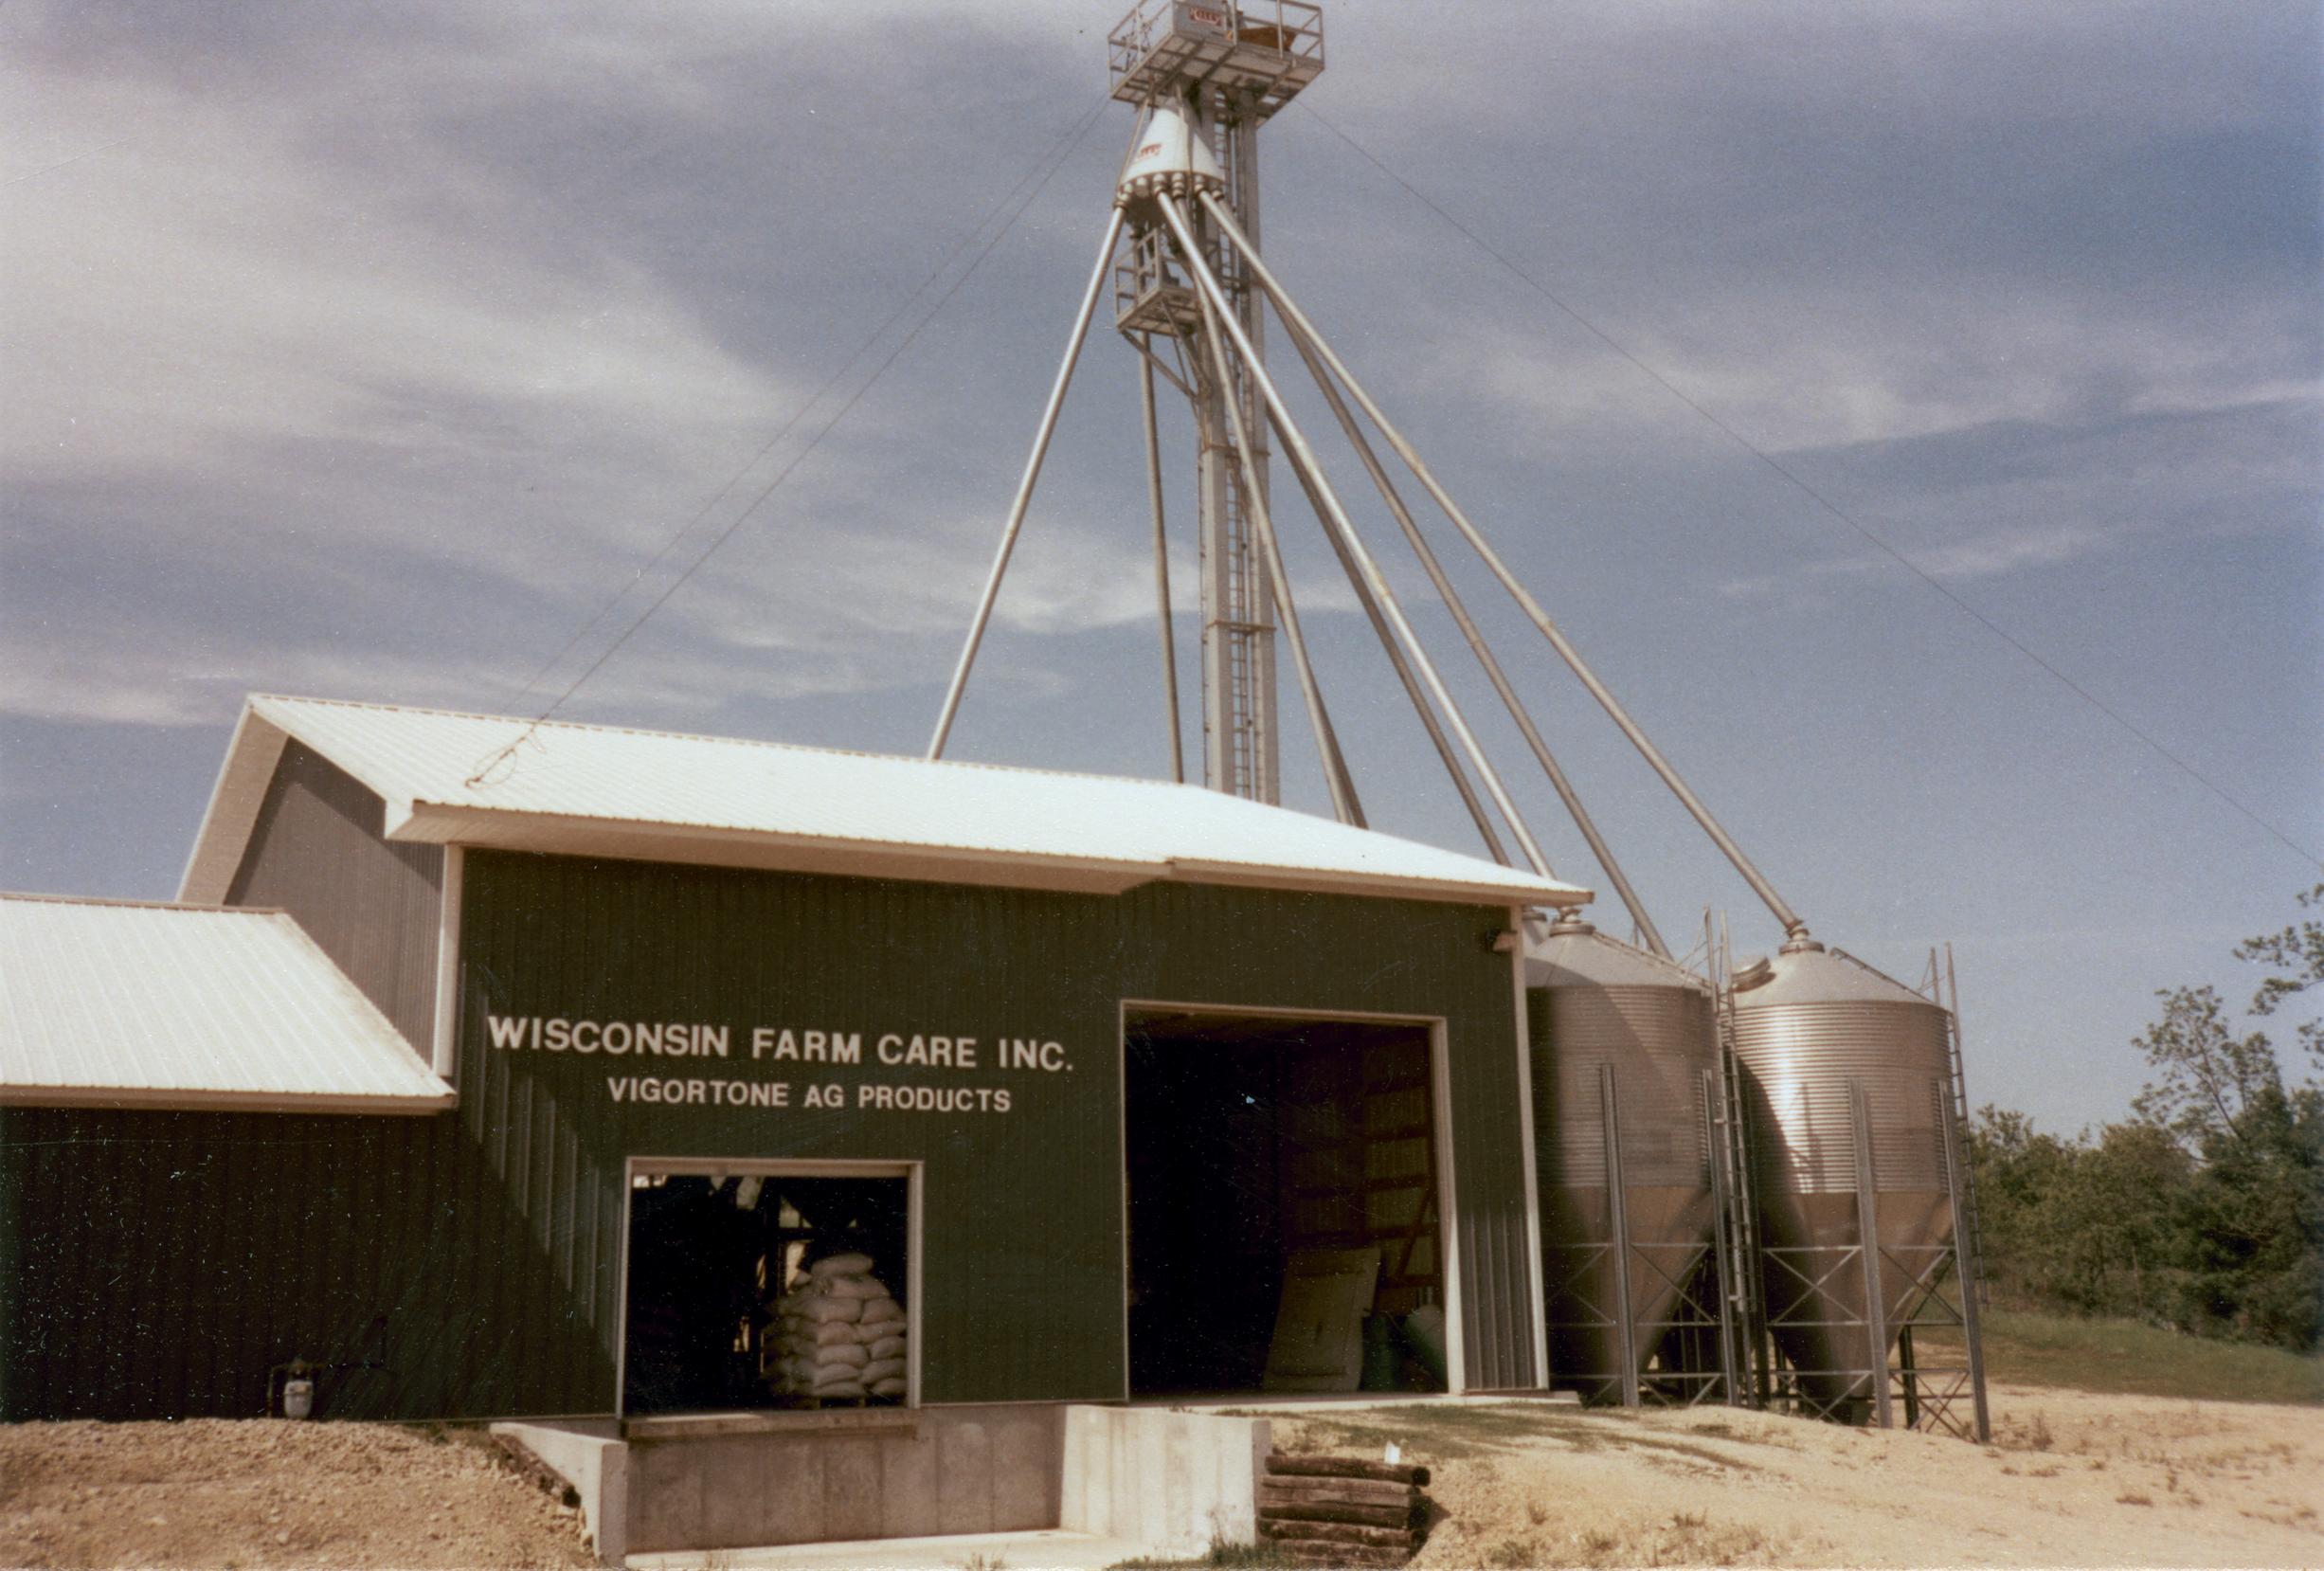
[(2073, 1479), (258, 1492)]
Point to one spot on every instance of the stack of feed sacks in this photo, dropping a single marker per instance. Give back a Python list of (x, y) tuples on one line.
[(842, 1333)]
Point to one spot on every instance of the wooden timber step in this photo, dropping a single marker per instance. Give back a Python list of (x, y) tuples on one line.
[(1325, 1552), (1342, 1510), (1348, 1467)]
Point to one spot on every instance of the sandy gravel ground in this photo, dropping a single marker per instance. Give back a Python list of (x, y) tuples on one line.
[(260, 1492), (2074, 1479)]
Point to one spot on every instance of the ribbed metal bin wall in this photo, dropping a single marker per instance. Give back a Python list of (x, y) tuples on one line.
[(1825, 1024), (1802, 1058), (1659, 1041), (1596, 1005)]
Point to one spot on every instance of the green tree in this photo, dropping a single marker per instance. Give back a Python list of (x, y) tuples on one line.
[(2298, 954), (2247, 1235)]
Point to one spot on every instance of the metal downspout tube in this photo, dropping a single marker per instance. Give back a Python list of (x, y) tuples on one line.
[(1024, 487), (1297, 449), (1413, 691), (1336, 777), (1793, 926), (1450, 596), (1161, 571)]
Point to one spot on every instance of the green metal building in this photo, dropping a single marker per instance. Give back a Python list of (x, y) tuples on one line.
[(1082, 1066)]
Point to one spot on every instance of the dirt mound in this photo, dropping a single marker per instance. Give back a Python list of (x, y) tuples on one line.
[(2075, 1478), (268, 1492)]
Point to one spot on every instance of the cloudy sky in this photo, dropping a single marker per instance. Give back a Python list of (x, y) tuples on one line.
[(369, 347)]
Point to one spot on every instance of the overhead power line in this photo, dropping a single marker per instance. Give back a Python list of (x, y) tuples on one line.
[(1055, 151), (2182, 764), (1013, 206)]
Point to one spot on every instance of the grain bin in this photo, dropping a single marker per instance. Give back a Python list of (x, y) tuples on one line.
[(1622, 1042), (1846, 1074)]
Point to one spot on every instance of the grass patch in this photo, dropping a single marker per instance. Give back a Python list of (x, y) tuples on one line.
[(2024, 1347)]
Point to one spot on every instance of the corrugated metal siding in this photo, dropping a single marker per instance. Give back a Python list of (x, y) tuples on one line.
[(1022, 1254), (1022, 1245), (372, 907), (1266, 950), (490, 1240), (205, 1248)]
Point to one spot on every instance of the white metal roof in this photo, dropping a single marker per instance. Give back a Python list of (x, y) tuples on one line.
[(109, 1003), (597, 790)]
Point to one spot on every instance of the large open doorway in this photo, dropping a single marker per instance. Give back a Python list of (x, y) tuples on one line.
[(753, 1285), (1285, 1204)]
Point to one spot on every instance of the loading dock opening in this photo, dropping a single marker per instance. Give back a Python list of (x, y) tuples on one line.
[(1264, 1152), (713, 1248)]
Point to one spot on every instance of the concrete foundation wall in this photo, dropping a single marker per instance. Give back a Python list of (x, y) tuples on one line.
[(593, 1459), (1176, 1482), (845, 1476), (1172, 1483)]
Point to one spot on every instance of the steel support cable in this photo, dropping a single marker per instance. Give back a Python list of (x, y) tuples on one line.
[(1792, 924), (1450, 596), (1823, 502), (1337, 779), (1297, 450), (1055, 155), (1009, 531), (1162, 568), (1413, 692)]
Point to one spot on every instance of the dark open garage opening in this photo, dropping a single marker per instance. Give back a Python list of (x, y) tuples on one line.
[(1284, 1211)]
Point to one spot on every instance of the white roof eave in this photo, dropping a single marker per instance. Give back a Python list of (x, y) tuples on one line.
[(735, 801), (520, 829), (1519, 890), (232, 812), (196, 1099), (516, 829)]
